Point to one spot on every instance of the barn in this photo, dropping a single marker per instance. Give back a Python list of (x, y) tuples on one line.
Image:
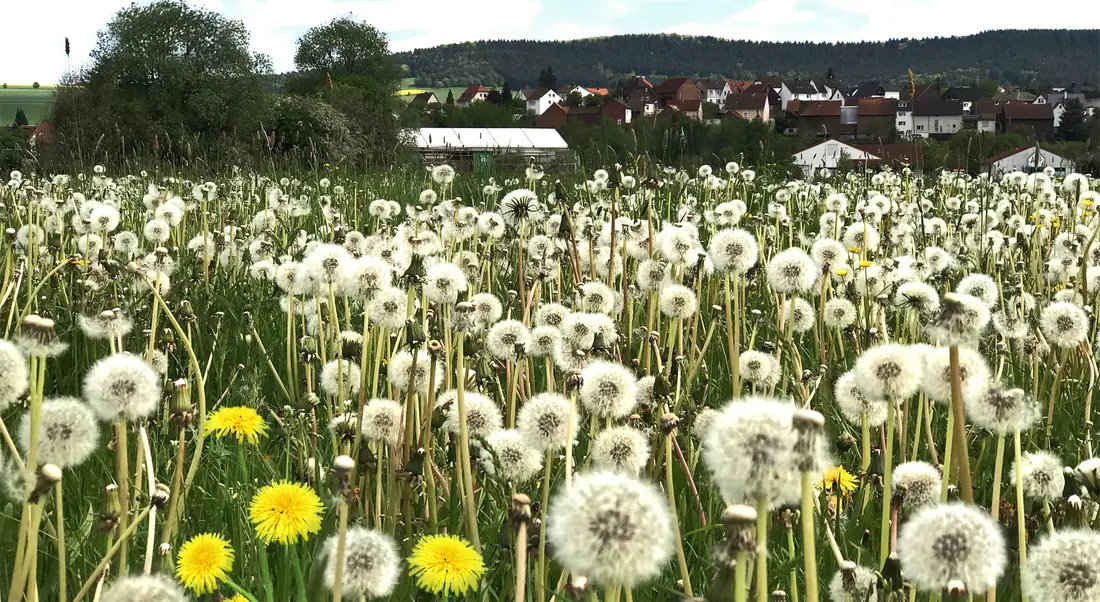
[(488, 148), (1029, 159), (827, 155)]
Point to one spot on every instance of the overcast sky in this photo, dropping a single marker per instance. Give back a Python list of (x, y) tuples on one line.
[(34, 50)]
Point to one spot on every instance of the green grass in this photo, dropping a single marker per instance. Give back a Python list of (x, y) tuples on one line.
[(34, 102), (440, 93)]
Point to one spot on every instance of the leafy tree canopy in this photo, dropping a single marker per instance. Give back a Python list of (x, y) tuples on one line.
[(345, 47)]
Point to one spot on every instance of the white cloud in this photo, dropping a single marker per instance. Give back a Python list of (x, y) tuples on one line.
[(763, 20)]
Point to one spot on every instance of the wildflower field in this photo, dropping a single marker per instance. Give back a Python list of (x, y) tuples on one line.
[(638, 383)]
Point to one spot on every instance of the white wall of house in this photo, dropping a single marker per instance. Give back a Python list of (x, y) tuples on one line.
[(1058, 110), (926, 125), (1027, 161), (717, 97), (539, 105), (987, 125), (892, 94), (827, 155), (903, 123)]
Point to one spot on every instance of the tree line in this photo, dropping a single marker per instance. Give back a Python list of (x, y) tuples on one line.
[(1039, 57)]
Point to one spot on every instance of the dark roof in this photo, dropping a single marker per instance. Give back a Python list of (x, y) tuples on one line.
[(423, 97), (801, 87), (1019, 149), (672, 84), (773, 96), (628, 84), (1017, 95), (985, 108), (895, 154), (538, 93), (866, 90), (937, 106), (877, 107), (926, 92), (773, 81), (742, 102), (1025, 110), (965, 94), (527, 92), (819, 108), (711, 83)]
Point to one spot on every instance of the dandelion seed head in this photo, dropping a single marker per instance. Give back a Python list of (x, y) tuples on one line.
[(443, 283), (918, 484), (508, 340), (621, 449), (949, 542), (403, 374), (759, 368), (1061, 567), (372, 564), (544, 422), (68, 432), (839, 313), (340, 377), (608, 390), (974, 374), (611, 528), (733, 250), (1064, 324), (792, 272), (122, 387), (14, 376), (516, 460), (483, 416), (678, 302), (888, 371), (1043, 478), (853, 584), (144, 588), (388, 308), (749, 450), (382, 421), (855, 406)]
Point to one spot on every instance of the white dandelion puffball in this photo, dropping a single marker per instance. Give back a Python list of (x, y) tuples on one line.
[(792, 272), (853, 583), (949, 542), (889, 372), (1042, 475), (678, 302), (382, 421), (973, 374), (611, 528), (388, 308), (621, 449), (483, 416), (508, 340), (487, 308), (545, 341), (550, 314), (962, 319), (1064, 324), (839, 313), (1062, 567), (340, 377), (443, 282), (122, 387), (144, 588), (799, 315), (608, 390), (516, 460), (918, 297), (981, 286), (1002, 411), (403, 374), (918, 484), (14, 376), (372, 564), (733, 250), (759, 368), (544, 422), (749, 450), (855, 406), (68, 432)]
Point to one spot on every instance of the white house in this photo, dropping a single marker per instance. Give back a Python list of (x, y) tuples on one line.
[(827, 155), (1029, 159), (715, 91), (565, 91), (1058, 110), (541, 99), (799, 90), (903, 123)]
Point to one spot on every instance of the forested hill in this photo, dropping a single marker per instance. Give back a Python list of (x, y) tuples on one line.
[(1037, 57)]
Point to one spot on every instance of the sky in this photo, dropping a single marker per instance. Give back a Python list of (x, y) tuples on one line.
[(35, 52)]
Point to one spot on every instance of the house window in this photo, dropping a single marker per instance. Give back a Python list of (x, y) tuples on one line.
[(901, 122), (920, 128)]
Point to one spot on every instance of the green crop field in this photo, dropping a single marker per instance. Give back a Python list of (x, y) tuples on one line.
[(440, 93), (35, 102)]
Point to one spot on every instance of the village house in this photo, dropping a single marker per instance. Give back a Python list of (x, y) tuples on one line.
[(565, 91), (638, 94), (829, 154), (876, 117), (541, 99), (937, 118), (472, 94), (749, 106), (897, 156), (424, 99), (679, 90), (1029, 159), (799, 90), (819, 118), (1029, 119), (982, 116), (968, 95), (715, 91), (557, 115), (903, 122)]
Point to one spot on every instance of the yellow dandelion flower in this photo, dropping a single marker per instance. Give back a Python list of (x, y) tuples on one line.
[(242, 422), (864, 263), (842, 272), (445, 563), (285, 511), (237, 598), (204, 562), (854, 249), (838, 478)]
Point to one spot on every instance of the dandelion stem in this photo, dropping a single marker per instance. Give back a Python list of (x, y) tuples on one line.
[(341, 546), (122, 464), (761, 550), (240, 590), (464, 447), (544, 497), (111, 553), (299, 576), (809, 540), (962, 456), (681, 559), (947, 451), (998, 467), (1021, 529), (887, 466)]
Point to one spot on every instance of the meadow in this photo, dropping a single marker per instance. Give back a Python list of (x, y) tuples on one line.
[(35, 102), (636, 383)]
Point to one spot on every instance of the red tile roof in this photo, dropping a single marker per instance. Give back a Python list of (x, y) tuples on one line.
[(877, 107), (820, 108), (1024, 111), (793, 106)]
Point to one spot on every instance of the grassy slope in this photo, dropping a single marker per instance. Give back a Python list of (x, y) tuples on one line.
[(440, 93), (35, 103)]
